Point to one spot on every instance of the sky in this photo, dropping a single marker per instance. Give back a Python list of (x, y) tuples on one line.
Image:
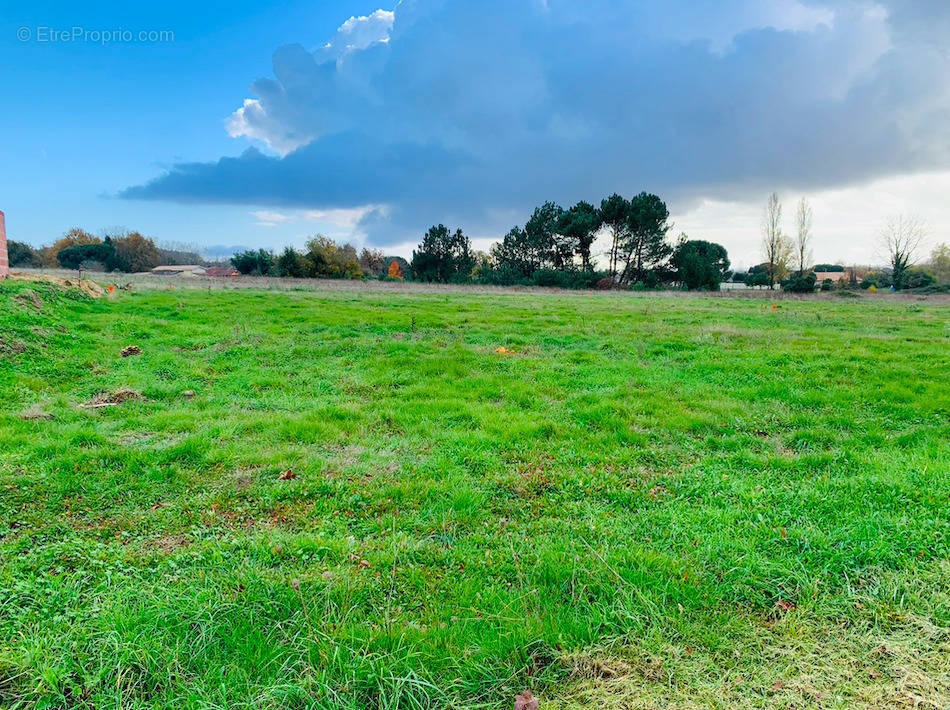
[(251, 126)]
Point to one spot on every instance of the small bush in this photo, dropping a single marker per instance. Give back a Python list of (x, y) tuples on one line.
[(756, 278), (21, 254), (918, 278), (800, 284)]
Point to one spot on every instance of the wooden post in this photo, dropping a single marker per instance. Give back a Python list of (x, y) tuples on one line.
[(4, 262)]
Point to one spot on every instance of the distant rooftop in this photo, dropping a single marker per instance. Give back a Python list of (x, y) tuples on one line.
[(177, 268)]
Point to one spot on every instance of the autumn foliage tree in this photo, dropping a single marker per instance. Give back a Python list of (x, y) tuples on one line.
[(73, 238), (135, 253), (394, 273), (371, 261), (776, 246)]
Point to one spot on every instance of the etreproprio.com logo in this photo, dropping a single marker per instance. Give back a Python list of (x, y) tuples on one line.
[(81, 35)]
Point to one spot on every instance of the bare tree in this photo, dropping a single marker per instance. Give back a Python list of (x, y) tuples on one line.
[(776, 247), (900, 239), (803, 218)]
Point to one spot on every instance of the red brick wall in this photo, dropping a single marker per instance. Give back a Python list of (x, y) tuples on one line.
[(4, 264)]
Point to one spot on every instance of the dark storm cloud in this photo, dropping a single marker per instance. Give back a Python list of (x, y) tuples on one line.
[(456, 111)]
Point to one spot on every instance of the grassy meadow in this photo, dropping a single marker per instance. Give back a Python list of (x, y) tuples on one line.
[(351, 500)]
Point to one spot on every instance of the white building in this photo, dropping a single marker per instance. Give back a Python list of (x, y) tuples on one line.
[(179, 270)]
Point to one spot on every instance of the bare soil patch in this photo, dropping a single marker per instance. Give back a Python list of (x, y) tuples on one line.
[(113, 399), (90, 288), (34, 413)]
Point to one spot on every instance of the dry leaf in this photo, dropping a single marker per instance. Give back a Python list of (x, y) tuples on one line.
[(525, 700), (288, 475)]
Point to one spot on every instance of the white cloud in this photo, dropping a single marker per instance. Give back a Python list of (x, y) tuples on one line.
[(339, 222), (253, 122), (358, 33), (269, 218)]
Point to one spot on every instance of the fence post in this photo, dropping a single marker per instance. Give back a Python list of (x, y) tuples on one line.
[(4, 262)]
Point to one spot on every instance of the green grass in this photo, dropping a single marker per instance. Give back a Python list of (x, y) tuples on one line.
[(654, 502)]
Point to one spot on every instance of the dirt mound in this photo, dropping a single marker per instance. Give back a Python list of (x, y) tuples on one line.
[(90, 288), (130, 350), (34, 413), (112, 399)]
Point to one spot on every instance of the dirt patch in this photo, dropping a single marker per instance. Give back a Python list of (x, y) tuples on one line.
[(800, 664), (34, 413), (113, 399), (167, 544), (244, 478), (11, 348), (29, 299), (130, 350), (90, 288)]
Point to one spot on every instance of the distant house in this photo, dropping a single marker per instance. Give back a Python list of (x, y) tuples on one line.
[(179, 270), (221, 271), (832, 275)]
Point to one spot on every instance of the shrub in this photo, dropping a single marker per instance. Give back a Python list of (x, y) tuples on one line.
[(255, 263), (20, 254), (394, 273), (827, 285), (826, 268), (290, 264), (574, 279), (75, 257), (73, 238), (134, 253), (700, 264), (652, 280), (918, 278), (878, 279), (800, 284), (326, 258), (756, 278), (551, 277)]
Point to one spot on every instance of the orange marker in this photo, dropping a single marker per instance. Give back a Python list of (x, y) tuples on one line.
[(111, 289)]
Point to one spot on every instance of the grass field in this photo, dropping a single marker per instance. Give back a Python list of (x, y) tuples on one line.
[(650, 503)]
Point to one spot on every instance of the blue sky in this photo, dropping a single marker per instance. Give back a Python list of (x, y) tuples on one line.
[(81, 120), (257, 127)]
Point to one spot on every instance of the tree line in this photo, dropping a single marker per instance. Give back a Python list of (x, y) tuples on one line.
[(126, 251), (322, 258), (787, 259), (554, 248)]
